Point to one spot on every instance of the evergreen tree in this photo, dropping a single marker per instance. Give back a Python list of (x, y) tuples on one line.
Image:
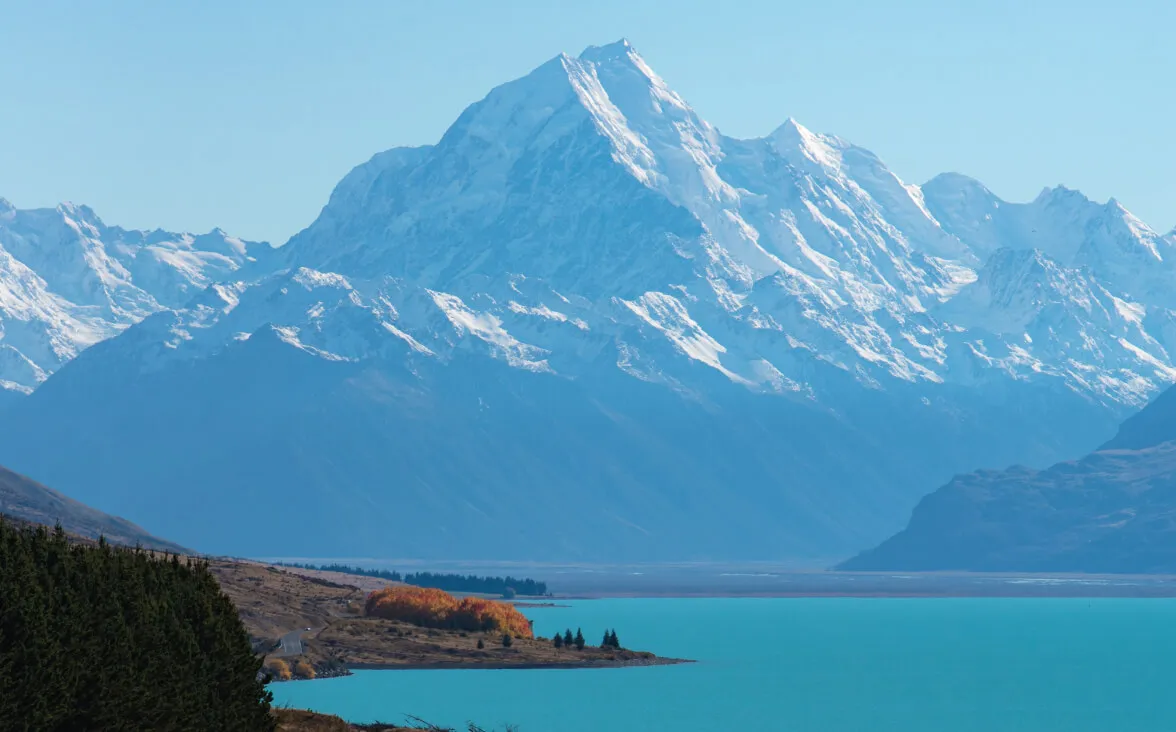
[(506, 640), (557, 641), (568, 640), (579, 640), (607, 642), (614, 641)]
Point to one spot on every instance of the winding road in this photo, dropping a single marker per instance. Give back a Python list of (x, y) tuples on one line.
[(291, 643)]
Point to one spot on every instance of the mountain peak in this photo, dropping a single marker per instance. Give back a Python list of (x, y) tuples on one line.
[(955, 181), (609, 52), (1061, 193), (80, 212), (821, 149), (792, 128)]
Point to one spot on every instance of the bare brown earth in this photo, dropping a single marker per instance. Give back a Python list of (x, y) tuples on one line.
[(375, 643), (300, 720), (275, 601), (368, 584)]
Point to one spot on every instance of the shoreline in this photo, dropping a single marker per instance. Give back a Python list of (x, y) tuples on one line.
[(880, 595), (348, 668), (1007, 585), (630, 663)]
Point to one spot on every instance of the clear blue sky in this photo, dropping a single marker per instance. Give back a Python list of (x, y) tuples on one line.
[(190, 115)]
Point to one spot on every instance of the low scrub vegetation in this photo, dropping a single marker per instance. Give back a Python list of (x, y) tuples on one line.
[(278, 669)]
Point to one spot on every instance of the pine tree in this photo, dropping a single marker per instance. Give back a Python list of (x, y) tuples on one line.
[(614, 641), (579, 640), (557, 641), (568, 640), (607, 642)]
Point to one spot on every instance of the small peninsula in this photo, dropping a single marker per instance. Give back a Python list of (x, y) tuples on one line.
[(317, 624)]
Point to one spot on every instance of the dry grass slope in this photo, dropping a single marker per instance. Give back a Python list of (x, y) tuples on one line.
[(273, 602), (300, 720), (26, 500)]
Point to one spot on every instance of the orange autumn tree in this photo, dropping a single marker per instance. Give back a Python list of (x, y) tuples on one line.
[(417, 605), (432, 608), (476, 613)]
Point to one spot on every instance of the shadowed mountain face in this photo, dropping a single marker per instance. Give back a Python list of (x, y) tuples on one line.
[(587, 325), (1112, 511), (27, 500), (8, 398), (406, 458)]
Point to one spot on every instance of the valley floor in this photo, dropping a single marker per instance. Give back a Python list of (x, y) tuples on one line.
[(777, 579)]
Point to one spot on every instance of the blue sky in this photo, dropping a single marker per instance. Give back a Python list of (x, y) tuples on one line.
[(190, 115)]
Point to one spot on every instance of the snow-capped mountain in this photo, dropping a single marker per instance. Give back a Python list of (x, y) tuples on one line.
[(68, 281), (588, 204), (774, 338)]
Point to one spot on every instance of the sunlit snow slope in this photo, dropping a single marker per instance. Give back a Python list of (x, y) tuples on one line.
[(68, 281)]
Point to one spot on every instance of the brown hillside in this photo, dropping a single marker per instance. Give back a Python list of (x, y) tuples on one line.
[(27, 500)]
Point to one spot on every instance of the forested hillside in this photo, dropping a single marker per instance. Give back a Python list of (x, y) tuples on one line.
[(94, 637)]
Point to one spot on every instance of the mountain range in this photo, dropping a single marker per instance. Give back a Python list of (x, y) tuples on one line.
[(583, 325), (68, 281)]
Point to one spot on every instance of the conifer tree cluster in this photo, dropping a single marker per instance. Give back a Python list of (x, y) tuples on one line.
[(104, 638), (508, 586), (568, 640)]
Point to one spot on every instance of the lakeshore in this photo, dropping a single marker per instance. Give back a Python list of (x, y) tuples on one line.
[(311, 624)]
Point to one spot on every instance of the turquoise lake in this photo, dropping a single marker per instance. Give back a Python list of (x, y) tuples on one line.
[(812, 665)]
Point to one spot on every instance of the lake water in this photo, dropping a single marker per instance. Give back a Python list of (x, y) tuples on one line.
[(813, 665)]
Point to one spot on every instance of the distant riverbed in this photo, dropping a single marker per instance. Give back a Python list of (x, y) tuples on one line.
[(812, 665)]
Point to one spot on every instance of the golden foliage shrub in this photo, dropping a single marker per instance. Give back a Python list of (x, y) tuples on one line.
[(432, 608), (278, 669), (303, 670)]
